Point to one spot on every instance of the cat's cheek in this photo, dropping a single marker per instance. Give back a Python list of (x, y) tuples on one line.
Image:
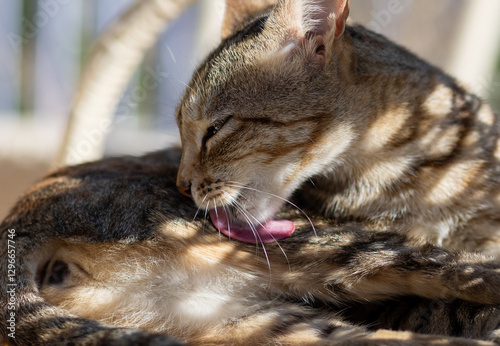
[(263, 208), (266, 204)]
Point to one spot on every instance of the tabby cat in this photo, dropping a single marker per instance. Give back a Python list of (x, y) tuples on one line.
[(108, 253), (296, 100)]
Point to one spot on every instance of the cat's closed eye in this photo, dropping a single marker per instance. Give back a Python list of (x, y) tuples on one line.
[(58, 274), (55, 273), (215, 128)]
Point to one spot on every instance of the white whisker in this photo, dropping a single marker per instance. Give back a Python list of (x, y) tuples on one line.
[(198, 210), (226, 210), (206, 209), (235, 184), (227, 219), (246, 214), (258, 239), (247, 218), (172, 56), (250, 215), (195, 68)]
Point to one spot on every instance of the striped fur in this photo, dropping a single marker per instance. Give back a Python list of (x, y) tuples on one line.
[(356, 126), (108, 253)]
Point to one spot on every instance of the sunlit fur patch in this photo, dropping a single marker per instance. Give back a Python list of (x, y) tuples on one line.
[(453, 182), (438, 142), (486, 116), (321, 155), (440, 102), (383, 173), (386, 128), (155, 287)]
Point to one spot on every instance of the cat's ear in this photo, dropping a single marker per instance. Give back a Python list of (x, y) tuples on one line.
[(332, 17), (320, 17), (239, 12), (297, 21)]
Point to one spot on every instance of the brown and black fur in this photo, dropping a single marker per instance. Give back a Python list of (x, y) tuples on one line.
[(111, 245), (107, 251), (359, 128)]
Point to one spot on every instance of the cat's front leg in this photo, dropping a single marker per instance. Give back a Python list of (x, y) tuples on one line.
[(422, 270), (352, 264)]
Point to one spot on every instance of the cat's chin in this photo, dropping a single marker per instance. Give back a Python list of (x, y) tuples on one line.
[(269, 231)]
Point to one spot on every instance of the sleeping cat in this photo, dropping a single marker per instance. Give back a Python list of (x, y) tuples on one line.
[(107, 253), (295, 100)]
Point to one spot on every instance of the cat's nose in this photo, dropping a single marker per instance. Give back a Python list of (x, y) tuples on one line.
[(185, 190)]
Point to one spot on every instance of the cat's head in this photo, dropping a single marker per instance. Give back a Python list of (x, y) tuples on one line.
[(253, 119)]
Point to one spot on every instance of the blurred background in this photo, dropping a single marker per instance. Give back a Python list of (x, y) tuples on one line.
[(44, 42)]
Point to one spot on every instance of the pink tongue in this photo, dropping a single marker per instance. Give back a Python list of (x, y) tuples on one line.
[(270, 231)]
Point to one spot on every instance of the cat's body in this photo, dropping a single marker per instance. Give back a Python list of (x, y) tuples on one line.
[(424, 152), (113, 242), (294, 99)]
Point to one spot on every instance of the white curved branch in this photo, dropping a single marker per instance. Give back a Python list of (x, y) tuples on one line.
[(112, 62)]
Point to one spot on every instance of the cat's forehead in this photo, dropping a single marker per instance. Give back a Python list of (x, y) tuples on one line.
[(213, 84)]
